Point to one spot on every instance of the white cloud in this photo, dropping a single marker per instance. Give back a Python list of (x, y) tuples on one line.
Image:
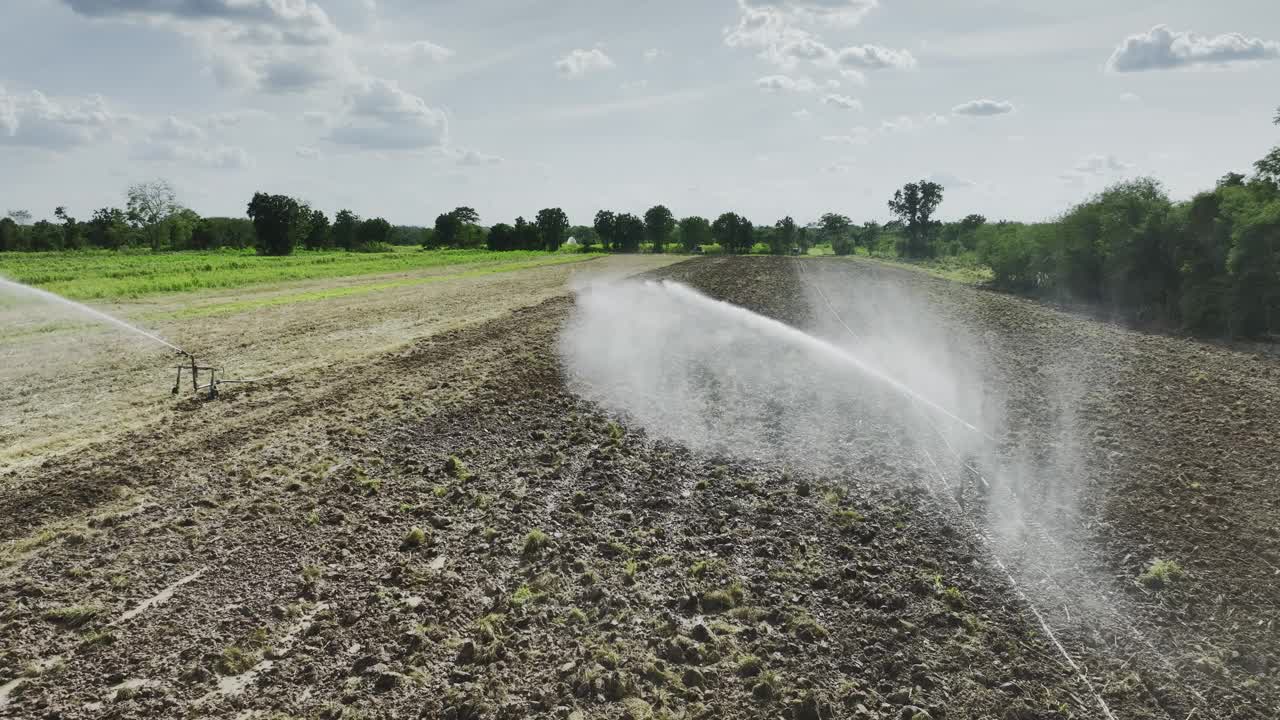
[(234, 118), (415, 53), (1164, 49), (1100, 164), (316, 118), (785, 83), (36, 120), (832, 10), (874, 57), (838, 167), (842, 101), (652, 54), (950, 181), (1130, 97), (580, 62), (983, 108), (307, 153), (472, 158), (634, 85), (802, 114), (171, 128), (855, 136), (176, 153), (776, 39), (293, 22), (912, 123), (381, 116)]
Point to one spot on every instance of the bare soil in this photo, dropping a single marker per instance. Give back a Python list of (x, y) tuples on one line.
[(445, 530)]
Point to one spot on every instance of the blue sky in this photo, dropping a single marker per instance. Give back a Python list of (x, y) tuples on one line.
[(405, 109)]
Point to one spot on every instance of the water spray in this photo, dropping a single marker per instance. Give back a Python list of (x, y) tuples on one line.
[(189, 365)]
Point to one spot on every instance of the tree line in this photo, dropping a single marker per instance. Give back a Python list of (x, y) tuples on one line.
[(154, 219), (1210, 265)]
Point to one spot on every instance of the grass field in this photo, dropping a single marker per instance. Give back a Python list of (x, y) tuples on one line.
[(113, 275)]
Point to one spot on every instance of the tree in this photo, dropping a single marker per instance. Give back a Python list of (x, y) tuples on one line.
[(553, 226), (274, 219), (72, 231), (374, 235), (833, 229), (915, 204), (150, 204), (20, 217), (734, 233), (784, 236), (181, 227), (527, 236), (319, 236), (346, 224), (694, 232), (868, 235), (585, 235), (629, 233), (9, 235), (1268, 168), (658, 225), (44, 236), (466, 215), (501, 237), (448, 231), (458, 229), (606, 225)]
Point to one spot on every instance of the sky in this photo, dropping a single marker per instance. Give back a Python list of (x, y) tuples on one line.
[(405, 109)]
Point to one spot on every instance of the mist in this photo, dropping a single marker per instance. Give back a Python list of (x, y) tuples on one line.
[(880, 382)]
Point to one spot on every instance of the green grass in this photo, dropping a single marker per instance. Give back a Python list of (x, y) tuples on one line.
[(107, 275), (1161, 574), (229, 308), (963, 268)]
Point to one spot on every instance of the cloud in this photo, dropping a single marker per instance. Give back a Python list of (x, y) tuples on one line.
[(832, 10), (234, 118), (415, 53), (838, 167), (1164, 49), (774, 28), (983, 108), (1099, 164), (472, 158), (785, 83), (171, 128), (950, 181), (272, 46), (307, 153), (855, 136), (381, 116), (294, 22), (580, 62), (36, 120), (1130, 97), (628, 105), (802, 114), (174, 153), (874, 57), (652, 54), (842, 101), (912, 123), (316, 118)]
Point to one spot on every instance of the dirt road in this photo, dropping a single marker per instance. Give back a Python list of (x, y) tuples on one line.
[(445, 530)]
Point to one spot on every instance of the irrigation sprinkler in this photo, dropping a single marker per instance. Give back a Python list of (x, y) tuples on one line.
[(196, 369)]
